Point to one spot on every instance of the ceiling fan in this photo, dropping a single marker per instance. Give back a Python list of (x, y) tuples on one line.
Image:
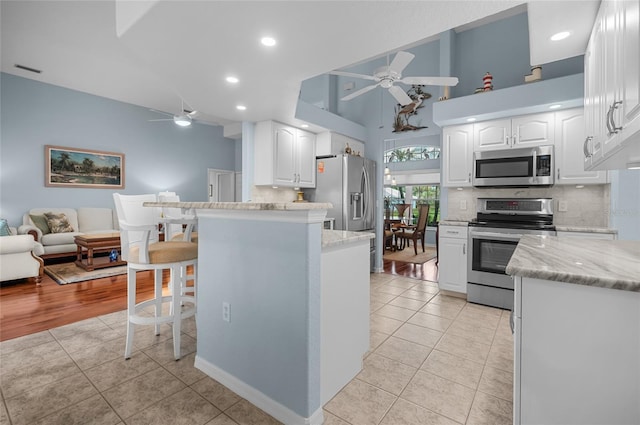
[(386, 76), (183, 120)]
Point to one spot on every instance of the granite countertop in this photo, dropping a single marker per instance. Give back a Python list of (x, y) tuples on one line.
[(265, 206), (586, 229), (453, 222), (613, 264), (343, 237)]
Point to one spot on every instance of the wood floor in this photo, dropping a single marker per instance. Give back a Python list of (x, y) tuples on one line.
[(26, 308)]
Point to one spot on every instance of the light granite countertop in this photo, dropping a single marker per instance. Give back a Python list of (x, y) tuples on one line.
[(453, 222), (343, 237), (586, 229), (613, 264), (265, 206)]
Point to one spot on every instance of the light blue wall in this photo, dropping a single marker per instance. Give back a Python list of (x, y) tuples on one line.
[(158, 155), (625, 203), (272, 341), (501, 48)]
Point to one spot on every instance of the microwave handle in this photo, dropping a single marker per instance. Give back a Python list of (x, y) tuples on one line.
[(535, 165)]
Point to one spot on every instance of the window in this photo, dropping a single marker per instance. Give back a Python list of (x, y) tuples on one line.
[(397, 195), (412, 153)]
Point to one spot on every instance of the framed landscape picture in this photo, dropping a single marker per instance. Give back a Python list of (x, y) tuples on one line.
[(71, 167)]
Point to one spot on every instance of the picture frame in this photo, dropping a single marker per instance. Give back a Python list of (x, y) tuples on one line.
[(85, 168)]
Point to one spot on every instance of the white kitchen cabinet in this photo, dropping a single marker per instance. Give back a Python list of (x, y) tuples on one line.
[(517, 132), (569, 137), (284, 156), (576, 354), (452, 258), (612, 87), (457, 156)]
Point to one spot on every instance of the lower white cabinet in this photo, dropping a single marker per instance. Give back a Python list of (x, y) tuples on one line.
[(452, 258), (577, 354)]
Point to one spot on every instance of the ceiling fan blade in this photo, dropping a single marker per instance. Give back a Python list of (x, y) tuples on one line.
[(351, 74), (430, 81), (400, 95), (161, 112), (359, 92), (162, 119), (400, 61)]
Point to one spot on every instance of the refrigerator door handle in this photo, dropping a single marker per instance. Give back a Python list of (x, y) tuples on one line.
[(366, 198)]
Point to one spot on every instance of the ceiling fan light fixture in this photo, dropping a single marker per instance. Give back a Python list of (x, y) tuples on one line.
[(182, 120)]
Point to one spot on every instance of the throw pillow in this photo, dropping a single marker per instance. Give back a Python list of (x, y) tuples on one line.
[(4, 228), (41, 223), (58, 223)]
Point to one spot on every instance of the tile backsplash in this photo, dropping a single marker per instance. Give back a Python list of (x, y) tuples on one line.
[(271, 194), (588, 206)]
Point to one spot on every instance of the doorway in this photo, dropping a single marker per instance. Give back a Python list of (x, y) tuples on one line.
[(222, 185)]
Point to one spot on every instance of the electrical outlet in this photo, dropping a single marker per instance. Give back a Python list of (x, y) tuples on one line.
[(562, 206), (226, 312), (463, 204)]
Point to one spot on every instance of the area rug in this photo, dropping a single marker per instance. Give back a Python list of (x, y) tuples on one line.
[(70, 273), (408, 255)]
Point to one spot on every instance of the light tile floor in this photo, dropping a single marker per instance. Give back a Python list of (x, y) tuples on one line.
[(434, 359)]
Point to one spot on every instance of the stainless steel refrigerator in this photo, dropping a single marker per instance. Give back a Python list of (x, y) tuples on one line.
[(348, 182)]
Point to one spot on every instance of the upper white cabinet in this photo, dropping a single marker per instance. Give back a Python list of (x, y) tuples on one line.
[(284, 156), (612, 87), (457, 158), (523, 131), (569, 137)]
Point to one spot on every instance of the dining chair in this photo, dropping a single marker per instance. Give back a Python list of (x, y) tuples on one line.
[(141, 248), (418, 232), (177, 225)]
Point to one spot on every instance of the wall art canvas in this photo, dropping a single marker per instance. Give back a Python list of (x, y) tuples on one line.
[(72, 167)]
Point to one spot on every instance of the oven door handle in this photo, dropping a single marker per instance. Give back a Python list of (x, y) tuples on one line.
[(500, 236)]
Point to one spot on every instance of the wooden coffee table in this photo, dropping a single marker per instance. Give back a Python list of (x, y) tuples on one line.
[(90, 244)]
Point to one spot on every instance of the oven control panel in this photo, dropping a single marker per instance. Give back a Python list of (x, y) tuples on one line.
[(515, 206)]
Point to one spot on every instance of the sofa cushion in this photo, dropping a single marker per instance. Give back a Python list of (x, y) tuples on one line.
[(58, 223), (40, 222), (59, 238), (4, 228)]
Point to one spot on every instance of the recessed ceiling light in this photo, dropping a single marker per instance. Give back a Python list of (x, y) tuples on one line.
[(304, 125), (232, 79), (560, 36), (241, 108), (471, 119), (556, 106), (268, 41)]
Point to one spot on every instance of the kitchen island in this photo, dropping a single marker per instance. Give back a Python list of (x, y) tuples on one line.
[(577, 331), (283, 305)]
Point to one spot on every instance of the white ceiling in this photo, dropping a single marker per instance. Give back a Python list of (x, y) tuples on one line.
[(154, 53)]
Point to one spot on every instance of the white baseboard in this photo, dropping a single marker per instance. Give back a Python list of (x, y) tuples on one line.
[(257, 398)]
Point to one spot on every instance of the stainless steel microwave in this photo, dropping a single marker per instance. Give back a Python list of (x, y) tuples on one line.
[(514, 167)]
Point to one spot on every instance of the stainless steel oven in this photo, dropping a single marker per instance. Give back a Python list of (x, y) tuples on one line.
[(493, 236)]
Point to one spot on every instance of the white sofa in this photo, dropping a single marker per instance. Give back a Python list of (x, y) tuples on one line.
[(19, 257), (83, 221)]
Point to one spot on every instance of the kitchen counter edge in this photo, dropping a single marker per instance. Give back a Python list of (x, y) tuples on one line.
[(255, 206), (343, 237), (613, 264)]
